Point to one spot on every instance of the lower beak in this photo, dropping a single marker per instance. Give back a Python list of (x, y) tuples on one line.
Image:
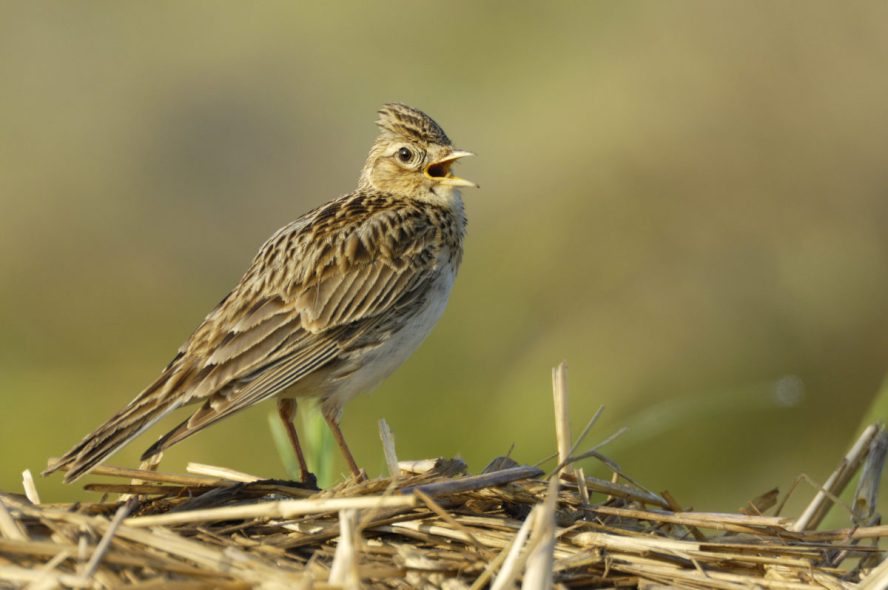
[(440, 171)]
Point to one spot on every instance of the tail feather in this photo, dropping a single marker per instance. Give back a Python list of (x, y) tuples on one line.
[(111, 436), (177, 434)]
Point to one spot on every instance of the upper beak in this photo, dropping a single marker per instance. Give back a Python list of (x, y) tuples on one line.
[(440, 170)]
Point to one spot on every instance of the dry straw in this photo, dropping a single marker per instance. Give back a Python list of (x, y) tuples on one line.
[(428, 525)]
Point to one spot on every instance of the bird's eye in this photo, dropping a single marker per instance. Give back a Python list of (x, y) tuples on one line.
[(405, 155)]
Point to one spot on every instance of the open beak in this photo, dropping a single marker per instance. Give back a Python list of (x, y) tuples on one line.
[(440, 171)]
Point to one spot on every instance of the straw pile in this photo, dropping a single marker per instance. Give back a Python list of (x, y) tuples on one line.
[(429, 525)]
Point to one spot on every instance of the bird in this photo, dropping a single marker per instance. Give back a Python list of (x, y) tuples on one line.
[(330, 306)]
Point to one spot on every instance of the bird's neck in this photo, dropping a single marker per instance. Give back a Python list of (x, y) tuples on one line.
[(449, 199)]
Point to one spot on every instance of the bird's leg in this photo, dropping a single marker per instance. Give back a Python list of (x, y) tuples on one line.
[(333, 423), (287, 411)]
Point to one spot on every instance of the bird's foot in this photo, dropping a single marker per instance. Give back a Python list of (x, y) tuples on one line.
[(309, 480)]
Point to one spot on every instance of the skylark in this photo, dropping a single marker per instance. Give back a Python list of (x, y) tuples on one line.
[(330, 306)]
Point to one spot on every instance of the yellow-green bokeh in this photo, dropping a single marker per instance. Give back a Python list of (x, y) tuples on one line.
[(688, 201)]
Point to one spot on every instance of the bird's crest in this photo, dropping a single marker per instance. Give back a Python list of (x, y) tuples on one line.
[(400, 119)]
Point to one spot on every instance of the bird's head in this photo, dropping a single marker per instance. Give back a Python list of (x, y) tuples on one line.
[(412, 157)]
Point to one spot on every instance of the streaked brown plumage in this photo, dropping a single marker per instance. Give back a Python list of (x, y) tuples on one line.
[(331, 305)]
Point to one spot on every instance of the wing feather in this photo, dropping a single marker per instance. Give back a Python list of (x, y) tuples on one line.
[(248, 391), (261, 335)]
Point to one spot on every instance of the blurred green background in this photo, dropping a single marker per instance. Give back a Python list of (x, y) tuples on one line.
[(688, 201)]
